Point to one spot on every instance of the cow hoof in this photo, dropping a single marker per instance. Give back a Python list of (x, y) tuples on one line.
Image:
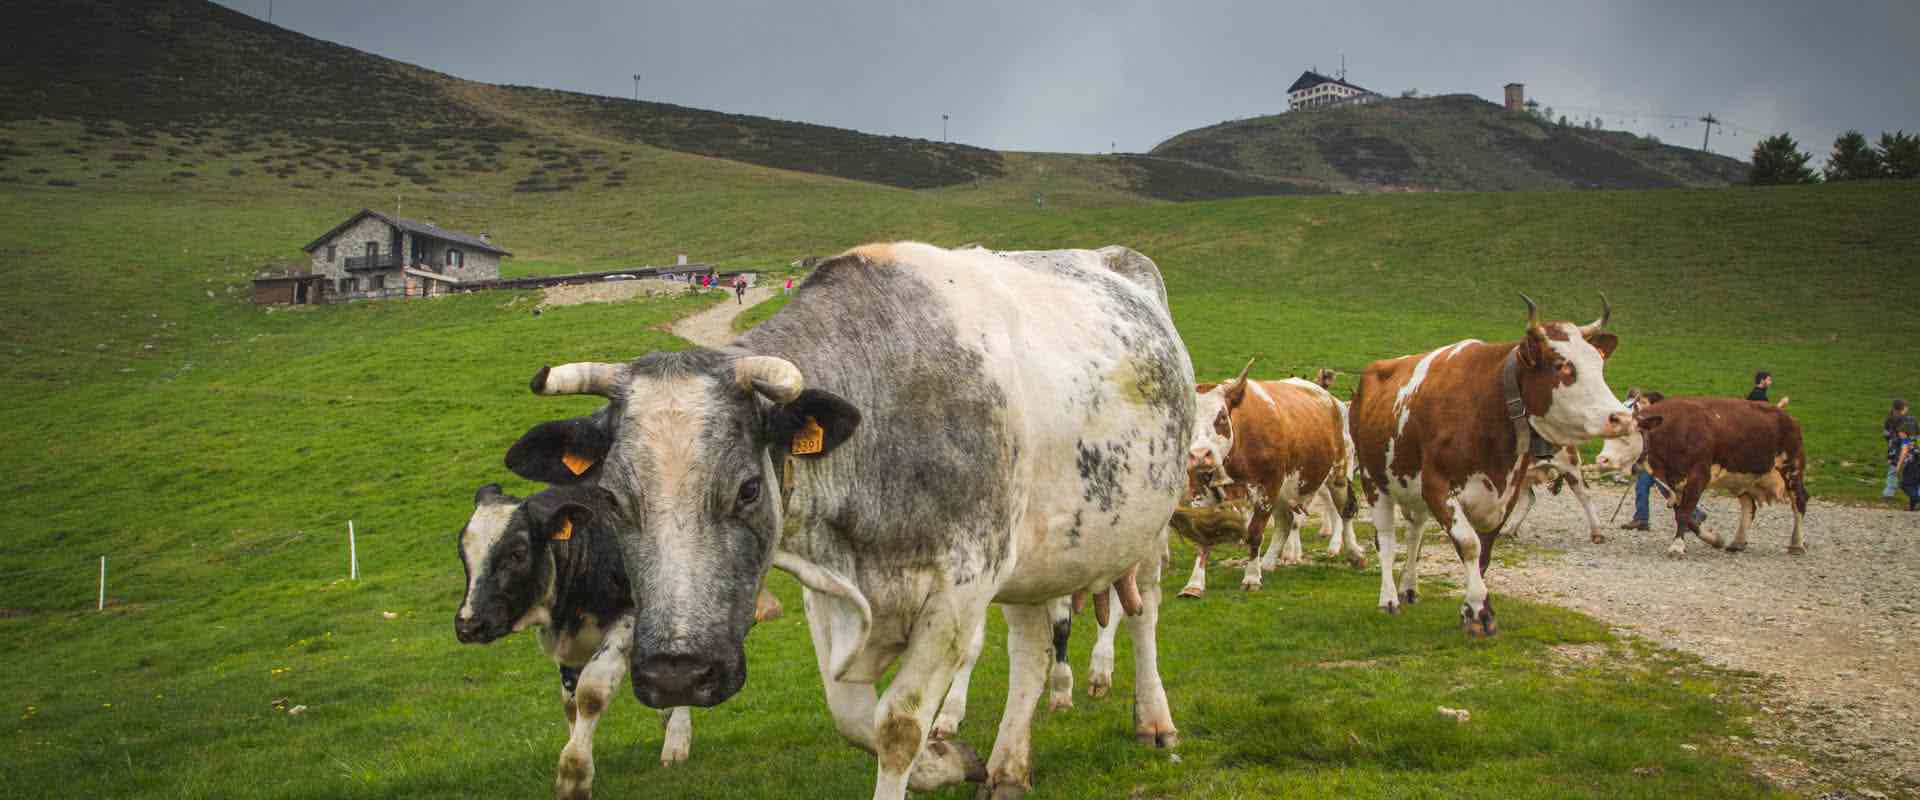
[(673, 753), (1409, 597), (1161, 740), (1251, 586), (1391, 607), (1097, 685), (946, 763), (575, 780), (1796, 550), (1192, 593), (1358, 562), (1481, 626), (767, 607), (943, 729), (1737, 547), (1005, 791), (1597, 538)]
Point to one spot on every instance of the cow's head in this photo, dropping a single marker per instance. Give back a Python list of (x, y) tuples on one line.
[(687, 447), (1620, 454), (1563, 380), (503, 548), (1213, 435)]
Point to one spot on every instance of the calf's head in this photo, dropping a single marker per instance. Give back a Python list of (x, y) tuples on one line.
[(1213, 436), (687, 447), (1563, 381), (510, 572)]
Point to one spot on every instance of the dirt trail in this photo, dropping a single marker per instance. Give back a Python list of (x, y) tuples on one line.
[(714, 326), (1837, 630)]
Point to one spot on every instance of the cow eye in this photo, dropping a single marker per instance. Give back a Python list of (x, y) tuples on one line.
[(749, 492), (1566, 370)]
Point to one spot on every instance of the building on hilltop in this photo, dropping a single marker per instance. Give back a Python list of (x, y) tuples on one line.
[(373, 255), (1516, 97), (1314, 90)]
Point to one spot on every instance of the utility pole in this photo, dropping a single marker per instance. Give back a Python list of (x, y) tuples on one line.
[(636, 87), (1710, 122), (269, 12), (943, 129)]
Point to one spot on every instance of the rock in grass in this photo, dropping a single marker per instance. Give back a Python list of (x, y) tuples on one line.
[(1458, 714)]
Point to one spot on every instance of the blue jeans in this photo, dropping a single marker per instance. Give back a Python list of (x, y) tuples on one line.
[(1893, 481), (1642, 488)]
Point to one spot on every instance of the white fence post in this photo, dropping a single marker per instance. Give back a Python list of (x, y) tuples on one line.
[(353, 554), (103, 584)]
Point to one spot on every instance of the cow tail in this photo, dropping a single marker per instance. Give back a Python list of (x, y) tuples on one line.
[(1797, 483)]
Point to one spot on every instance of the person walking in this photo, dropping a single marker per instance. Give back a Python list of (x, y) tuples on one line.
[(1898, 420), (739, 289), (1761, 381), (789, 289), (1902, 455)]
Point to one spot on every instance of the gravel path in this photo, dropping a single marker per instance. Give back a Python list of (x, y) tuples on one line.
[(714, 326), (1836, 630)]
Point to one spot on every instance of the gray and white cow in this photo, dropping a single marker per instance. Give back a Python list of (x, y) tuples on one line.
[(550, 562), (948, 429)]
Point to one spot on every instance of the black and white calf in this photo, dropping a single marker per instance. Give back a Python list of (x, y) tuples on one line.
[(549, 561)]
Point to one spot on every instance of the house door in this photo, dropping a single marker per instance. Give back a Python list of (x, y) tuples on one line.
[(373, 254), (300, 293)]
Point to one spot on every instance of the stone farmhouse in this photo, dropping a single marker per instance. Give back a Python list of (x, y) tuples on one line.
[(373, 255), (1314, 90)]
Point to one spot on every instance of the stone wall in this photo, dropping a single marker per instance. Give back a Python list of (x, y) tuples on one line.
[(352, 242)]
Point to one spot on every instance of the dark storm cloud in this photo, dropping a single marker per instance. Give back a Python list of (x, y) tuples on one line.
[(1079, 76)]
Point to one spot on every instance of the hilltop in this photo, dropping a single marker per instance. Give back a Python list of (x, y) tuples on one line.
[(1447, 143)]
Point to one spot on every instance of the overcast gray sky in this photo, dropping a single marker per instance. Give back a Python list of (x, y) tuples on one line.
[(1081, 76)]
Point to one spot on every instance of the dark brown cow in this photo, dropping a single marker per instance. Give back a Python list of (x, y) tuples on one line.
[(1747, 447), (1270, 446), (1448, 433)]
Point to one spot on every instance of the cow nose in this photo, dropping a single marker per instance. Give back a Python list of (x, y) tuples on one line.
[(464, 628), (665, 681)]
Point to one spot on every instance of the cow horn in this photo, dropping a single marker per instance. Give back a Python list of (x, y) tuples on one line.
[(1533, 311), (583, 377), (776, 378), (1598, 325), (1246, 369)]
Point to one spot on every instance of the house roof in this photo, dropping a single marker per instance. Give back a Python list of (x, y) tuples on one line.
[(1310, 79), (413, 226)]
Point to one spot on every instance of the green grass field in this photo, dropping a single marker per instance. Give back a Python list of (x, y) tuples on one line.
[(215, 450)]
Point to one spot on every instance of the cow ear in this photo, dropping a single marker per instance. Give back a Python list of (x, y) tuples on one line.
[(1647, 422), (1533, 348), (813, 424), (1236, 391), (559, 452), (1604, 342), (558, 513)]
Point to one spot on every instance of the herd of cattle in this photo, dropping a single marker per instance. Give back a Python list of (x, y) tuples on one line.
[(923, 433)]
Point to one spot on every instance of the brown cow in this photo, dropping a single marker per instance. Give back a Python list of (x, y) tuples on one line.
[(1692, 444), (1271, 446), (1452, 433)]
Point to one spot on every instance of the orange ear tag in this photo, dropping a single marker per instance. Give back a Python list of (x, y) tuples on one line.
[(576, 464), (566, 530), (810, 439)]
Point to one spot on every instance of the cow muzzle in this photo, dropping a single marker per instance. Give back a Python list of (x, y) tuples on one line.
[(666, 680)]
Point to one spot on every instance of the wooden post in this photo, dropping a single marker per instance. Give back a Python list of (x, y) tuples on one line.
[(353, 554), (103, 584)]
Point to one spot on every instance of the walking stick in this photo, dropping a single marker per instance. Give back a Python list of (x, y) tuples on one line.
[(1616, 509)]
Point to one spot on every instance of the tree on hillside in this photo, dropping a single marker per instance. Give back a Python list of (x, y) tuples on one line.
[(1852, 159), (1900, 154), (1778, 160), (1563, 120)]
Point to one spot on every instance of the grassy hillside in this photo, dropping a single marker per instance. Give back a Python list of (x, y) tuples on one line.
[(1455, 142)]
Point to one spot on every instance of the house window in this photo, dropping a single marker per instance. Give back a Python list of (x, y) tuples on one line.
[(346, 285), (379, 282), (455, 259), (373, 251), (332, 254)]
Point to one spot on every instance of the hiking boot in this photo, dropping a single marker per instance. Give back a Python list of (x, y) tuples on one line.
[(1636, 525)]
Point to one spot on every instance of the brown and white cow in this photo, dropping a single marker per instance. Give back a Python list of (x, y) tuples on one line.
[(1747, 447), (1448, 433), (1272, 446), (1562, 469)]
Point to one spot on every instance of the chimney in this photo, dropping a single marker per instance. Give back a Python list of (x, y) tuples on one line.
[(485, 238)]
